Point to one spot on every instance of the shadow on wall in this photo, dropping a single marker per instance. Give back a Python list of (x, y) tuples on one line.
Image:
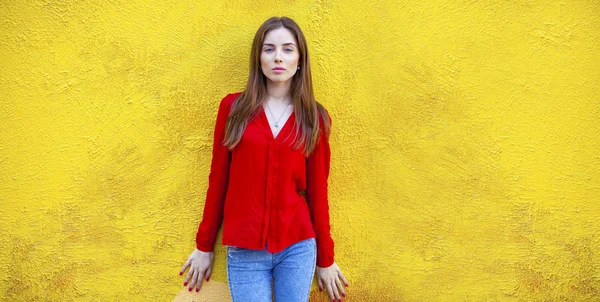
[(210, 291), (218, 291)]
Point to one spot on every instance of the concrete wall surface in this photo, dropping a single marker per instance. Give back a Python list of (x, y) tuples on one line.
[(465, 144)]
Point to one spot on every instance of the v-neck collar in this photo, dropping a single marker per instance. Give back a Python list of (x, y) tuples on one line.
[(284, 127)]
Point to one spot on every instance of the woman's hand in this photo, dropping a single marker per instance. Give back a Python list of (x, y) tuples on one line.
[(329, 277), (200, 264)]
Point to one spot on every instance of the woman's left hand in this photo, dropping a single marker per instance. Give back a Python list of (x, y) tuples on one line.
[(329, 277)]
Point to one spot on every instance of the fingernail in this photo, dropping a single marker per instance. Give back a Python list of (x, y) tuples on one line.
[(197, 289), (180, 273), (190, 289), (340, 300), (343, 295), (346, 284), (184, 283), (207, 279), (320, 289)]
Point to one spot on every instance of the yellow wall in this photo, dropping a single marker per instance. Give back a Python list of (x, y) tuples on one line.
[(465, 144)]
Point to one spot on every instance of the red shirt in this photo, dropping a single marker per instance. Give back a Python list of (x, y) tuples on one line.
[(255, 189)]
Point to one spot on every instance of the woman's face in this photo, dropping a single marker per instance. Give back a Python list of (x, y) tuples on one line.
[(279, 50)]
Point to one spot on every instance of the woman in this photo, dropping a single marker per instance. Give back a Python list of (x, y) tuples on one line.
[(268, 179)]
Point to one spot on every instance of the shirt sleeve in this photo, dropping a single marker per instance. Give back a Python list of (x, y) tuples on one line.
[(217, 184), (317, 174)]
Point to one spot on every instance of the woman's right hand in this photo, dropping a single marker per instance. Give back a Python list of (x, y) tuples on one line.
[(200, 264)]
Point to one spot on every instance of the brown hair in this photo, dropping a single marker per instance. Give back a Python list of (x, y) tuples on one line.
[(306, 108)]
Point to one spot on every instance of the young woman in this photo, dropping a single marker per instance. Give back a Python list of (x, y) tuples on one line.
[(268, 179)]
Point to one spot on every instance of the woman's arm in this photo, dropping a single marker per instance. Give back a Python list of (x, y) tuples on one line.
[(317, 174), (201, 260), (217, 183), (328, 273)]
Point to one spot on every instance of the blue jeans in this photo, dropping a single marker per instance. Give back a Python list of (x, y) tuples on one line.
[(253, 275)]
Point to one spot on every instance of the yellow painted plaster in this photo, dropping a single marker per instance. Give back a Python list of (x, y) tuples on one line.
[(465, 145)]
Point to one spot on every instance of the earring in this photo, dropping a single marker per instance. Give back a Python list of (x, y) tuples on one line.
[(298, 67)]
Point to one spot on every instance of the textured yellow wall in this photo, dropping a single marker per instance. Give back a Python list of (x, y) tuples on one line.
[(465, 144)]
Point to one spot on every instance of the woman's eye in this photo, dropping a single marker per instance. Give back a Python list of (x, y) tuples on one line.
[(287, 49)]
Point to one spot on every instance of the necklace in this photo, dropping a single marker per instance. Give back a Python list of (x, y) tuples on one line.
[(277, 121)]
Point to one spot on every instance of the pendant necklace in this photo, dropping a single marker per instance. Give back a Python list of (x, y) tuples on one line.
[(277, 121)]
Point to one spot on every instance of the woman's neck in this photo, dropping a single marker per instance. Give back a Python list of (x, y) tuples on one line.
[(279, 92)]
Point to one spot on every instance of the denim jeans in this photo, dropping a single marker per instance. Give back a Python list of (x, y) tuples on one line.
[(253, 275)]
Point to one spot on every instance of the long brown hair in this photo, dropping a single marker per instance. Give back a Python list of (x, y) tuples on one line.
[(306, 108)]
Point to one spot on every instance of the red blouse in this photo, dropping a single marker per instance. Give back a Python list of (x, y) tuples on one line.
[(255, 189)]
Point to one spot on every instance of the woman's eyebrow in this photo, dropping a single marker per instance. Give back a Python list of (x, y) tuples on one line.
[(269, 44)]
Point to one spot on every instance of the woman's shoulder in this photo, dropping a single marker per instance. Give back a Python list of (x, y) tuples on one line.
[(324, 125), (232, 96), (228, 100), (323, 112)]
